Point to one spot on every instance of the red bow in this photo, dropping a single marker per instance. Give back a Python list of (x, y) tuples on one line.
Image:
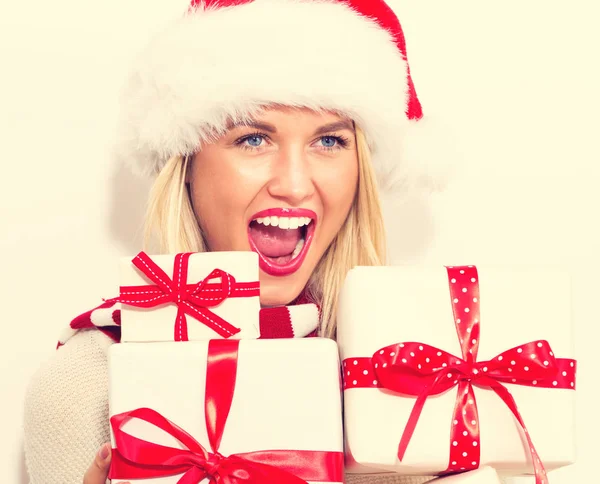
[(134, 458), (413, 368), (192, 299)]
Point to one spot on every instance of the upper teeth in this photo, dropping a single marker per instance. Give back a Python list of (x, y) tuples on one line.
[(284, 222)]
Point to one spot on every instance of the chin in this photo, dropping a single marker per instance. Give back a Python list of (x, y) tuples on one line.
[(275, 292)]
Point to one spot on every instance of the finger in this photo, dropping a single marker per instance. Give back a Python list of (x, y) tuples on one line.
[(97, 473)]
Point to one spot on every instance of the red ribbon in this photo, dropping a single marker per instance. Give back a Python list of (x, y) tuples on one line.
[(421, 370), (134, 458), (192, 299)]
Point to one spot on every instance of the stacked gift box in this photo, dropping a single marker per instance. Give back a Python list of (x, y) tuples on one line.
[(195, 396), (442, 374)]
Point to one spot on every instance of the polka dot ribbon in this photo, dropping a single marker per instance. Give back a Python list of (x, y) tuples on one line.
[(191, 299), (421, 370)]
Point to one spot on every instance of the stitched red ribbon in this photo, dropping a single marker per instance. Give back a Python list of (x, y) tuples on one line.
[(191, 299), (134, 458), (421, 370)]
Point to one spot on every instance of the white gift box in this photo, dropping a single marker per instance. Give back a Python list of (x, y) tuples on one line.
[(381, 306), (158, 323), (485, 475), (287, 395)]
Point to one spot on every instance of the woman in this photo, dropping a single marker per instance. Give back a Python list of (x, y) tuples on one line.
[(270, 126)]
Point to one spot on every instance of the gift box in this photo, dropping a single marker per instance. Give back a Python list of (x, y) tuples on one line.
[(485, 475), (270, 409), (443, 372), (183, 297)]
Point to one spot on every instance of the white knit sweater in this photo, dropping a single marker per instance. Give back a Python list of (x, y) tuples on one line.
[(66, 414)]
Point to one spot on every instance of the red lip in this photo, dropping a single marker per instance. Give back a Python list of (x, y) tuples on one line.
[(296, 263)]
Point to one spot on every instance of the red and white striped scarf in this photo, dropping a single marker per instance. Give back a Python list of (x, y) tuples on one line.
[(299, 320)]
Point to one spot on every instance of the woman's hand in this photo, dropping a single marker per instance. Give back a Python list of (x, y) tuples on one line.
[(97, 473)]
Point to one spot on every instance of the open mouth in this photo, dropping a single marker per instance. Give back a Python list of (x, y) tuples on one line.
[(281, 238)]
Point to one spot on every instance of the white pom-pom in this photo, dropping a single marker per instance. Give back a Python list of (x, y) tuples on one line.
[(430, 157)]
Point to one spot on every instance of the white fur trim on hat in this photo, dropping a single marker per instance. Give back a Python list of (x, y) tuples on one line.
[(220, 64)]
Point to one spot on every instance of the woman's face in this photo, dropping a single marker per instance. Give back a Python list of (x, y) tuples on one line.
[(281, 186)]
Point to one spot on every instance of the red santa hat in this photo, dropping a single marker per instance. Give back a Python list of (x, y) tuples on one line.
[(227, 59)]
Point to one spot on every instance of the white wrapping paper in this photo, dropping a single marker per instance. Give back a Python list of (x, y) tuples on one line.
[(485, 475), (157, 324), (287, 394), (382, 306)]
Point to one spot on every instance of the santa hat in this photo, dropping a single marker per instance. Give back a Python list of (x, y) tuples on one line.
[(226, 59)]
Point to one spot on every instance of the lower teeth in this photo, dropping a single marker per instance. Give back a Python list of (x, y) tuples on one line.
[(298, 248)]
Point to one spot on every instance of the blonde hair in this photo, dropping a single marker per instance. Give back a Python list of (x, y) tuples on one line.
[(171, 222)]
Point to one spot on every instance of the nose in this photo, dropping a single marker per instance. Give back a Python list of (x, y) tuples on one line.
[(292, 179)]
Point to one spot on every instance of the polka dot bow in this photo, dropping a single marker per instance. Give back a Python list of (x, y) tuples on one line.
[(421, 370)]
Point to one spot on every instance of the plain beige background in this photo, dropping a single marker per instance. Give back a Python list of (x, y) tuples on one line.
[(517, 80)]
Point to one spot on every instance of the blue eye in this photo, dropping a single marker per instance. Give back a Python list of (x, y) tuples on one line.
[(254, 140), (328, 141)]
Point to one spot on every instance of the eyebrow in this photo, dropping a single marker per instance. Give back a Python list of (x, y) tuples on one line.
[(335, 126), (326, 128)]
